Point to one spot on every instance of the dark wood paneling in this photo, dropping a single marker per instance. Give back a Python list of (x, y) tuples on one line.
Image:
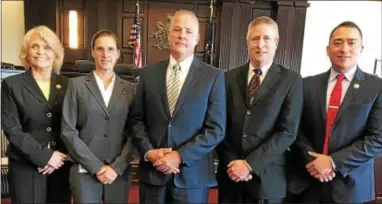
[(157, 11), (125, 16), (298, 38), (128, 6), (81, 23), (73, 4), (235, 18), (40, 12), (226, 32), (201, 46)]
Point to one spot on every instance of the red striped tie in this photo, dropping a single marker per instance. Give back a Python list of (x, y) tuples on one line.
[(333, 106), (254, 84)]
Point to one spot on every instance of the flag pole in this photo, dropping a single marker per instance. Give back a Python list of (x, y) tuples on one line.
[(210, 57)]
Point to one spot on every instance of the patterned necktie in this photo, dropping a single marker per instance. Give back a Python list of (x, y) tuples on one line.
[(333, 106), (254, 84), (173, 88)]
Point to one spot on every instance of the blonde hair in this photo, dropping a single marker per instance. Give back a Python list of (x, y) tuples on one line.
[(263, 20), (184, 12), (51, 39)]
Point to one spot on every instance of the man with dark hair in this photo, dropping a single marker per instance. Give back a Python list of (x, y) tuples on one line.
[(341, 130)]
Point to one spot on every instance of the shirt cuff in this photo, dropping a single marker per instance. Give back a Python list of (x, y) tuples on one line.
[(333, 164), (249, 167), (145, 156)]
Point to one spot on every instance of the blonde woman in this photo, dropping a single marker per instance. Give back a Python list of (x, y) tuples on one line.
[(31, 105)]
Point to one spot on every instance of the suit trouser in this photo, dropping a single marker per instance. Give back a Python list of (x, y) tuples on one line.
[(316, 193), (241, 195), (86, 188), (169, 193), (26, 185)]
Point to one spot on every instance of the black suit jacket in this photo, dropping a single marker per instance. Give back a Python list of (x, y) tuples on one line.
[(356, 137), (261, 133), (30, 122), (196, 127)]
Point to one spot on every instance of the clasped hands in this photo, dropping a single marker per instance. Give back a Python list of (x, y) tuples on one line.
[(106, 174), (321, 167), (165, 160), (238, 170), (55, 162)]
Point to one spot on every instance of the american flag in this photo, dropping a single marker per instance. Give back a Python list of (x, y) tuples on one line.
[(135, 39)]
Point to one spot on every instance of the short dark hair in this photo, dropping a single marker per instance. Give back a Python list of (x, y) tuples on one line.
[(102, 33), (347, 24)]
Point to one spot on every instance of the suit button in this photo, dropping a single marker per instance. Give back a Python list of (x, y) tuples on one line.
[(49, 115), (245, 135), (107, 118), (49, 129), (169, 125), (53, 143), (105, 135), (249, 112)]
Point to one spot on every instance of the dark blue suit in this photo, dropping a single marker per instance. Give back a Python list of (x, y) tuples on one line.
[(355, 139), (197, 125)]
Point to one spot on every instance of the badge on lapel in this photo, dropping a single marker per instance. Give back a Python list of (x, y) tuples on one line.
[(356, 86), (58, 86)]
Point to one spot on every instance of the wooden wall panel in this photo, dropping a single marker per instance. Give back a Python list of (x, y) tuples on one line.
[(201, 46), (285, 13), (40, 12), (157, 11), (73, 4), (233, 43), (125, 18), (226, 34), (298, 36), (81, 33)]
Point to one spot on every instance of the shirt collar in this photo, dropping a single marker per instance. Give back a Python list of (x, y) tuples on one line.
[(349, 75), (99, 80), (184, 65), (264, 69)]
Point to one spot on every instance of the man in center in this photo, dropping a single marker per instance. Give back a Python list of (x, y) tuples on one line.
[(264, 104), (178, 118)]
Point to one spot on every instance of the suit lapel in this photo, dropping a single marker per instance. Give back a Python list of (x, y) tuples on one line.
[(161, 79), (270, 80), (55, 87), (191, 79), (117, 91), (242, 83), (351, 92), (91, 84), (33, 88), (322, 88)]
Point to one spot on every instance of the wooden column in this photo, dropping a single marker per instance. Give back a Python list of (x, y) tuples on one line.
[(290, 16)]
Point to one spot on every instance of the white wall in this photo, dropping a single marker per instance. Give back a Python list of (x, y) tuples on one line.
[(323, 16), (12, 30)]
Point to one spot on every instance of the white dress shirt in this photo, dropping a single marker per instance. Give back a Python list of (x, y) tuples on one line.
[(349, 75), (264, 71), (184, 69), (183, 72), (106, 92)]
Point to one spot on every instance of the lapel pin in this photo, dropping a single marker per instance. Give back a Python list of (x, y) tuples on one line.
[(356, 86), (58, 86)]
